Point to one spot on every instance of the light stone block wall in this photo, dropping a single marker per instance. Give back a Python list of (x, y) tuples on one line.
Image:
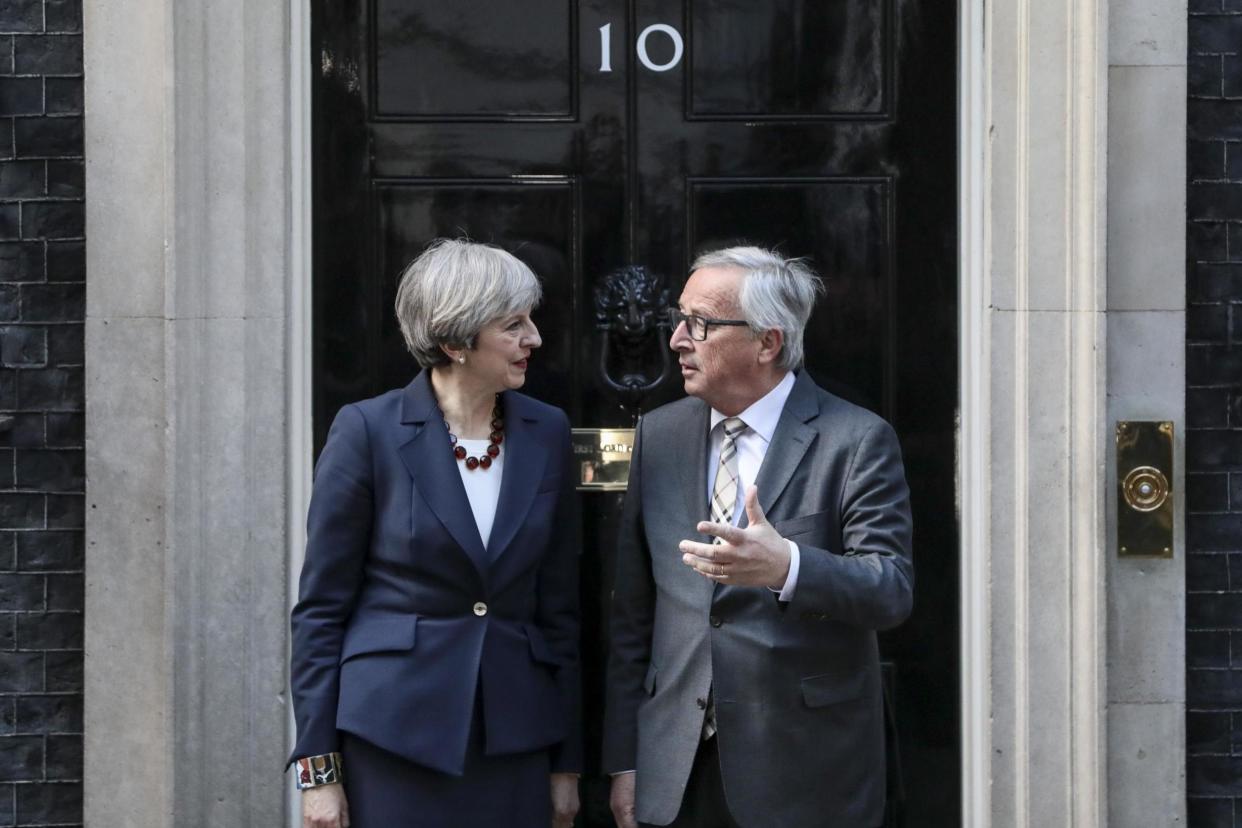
[(127, 708), (188, 173), (1146, 381)]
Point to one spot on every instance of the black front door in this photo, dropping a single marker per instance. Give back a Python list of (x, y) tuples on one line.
[(587, 137)]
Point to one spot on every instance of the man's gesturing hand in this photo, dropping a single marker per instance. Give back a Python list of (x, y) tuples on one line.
[(754, 556)]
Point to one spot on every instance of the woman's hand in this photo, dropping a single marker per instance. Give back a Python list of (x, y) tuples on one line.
[(564, 799), (621, 799), (325, 807)]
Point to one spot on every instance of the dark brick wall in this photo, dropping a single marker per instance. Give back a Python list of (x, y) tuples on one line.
[(42, 305), (1214, 416)]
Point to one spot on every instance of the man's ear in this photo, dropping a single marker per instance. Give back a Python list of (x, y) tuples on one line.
[(771, 342)]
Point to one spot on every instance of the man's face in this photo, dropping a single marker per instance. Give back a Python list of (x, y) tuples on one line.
[(722, 369)]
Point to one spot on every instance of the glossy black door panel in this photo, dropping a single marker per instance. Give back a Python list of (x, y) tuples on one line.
[(474, 59), (825, 128), (788, 59)]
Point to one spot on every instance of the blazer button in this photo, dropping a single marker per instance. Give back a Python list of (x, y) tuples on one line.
[(480, 609), (714, 620), (702, 703)]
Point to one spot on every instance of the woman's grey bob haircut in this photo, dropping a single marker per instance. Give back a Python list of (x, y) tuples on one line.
[(777, 293), (453, 289)]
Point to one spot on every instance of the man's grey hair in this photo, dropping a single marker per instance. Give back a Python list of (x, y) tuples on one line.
[(777, 293), (453, 289)]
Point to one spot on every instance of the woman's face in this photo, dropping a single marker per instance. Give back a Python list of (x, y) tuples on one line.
[(502, 349)]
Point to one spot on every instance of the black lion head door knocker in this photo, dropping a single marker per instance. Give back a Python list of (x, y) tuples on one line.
[(631, 310)]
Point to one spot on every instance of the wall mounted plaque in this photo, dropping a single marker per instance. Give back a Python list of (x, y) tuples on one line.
[(1144, 489), (602, 458)]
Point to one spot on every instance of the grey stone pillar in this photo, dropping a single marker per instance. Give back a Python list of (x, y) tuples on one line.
[(1034, 434), (1073, 147), (188, 136)]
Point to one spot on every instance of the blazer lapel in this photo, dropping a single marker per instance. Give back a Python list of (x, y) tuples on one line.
[(693, 471), (524, 461), (431, 464), (790, 442), (691, 479)]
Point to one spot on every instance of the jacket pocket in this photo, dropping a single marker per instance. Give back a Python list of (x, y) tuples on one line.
[(832, 688), (379, 634), (539, 649), (800, 525), (649, 680)]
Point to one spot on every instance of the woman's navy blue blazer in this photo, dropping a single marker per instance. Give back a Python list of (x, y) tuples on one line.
[(404, 615)]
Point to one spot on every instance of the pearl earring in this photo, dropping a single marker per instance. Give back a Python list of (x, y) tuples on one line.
[(462, 360)]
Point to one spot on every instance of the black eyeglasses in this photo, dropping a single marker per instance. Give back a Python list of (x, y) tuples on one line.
[(697, 325)]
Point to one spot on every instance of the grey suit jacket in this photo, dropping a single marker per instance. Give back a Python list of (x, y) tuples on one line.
[(796, 685)]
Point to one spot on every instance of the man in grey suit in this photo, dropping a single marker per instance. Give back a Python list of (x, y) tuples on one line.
[(765, 539)]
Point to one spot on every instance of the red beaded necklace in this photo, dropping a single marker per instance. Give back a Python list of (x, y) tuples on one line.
[(493, 450)]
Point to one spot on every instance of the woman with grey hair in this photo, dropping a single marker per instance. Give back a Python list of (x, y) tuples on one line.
[(435, 640)]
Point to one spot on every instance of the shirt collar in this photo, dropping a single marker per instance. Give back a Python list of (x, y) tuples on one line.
[(765, 412)]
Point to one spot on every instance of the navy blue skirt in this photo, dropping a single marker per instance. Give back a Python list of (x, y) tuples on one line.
[(386, 791)]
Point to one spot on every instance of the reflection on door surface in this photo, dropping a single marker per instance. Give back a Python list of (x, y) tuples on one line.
[(588, 137)]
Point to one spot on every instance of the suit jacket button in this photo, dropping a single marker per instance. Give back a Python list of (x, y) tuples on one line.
[(714, 620), (480, 609), (702, 703)]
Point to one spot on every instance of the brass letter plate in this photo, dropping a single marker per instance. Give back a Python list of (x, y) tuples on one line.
[(602, 457), (1144, 489)]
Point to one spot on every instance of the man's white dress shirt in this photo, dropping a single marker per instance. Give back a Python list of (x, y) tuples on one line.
[(752, 446)]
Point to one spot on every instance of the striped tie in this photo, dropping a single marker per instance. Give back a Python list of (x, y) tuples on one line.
[(724, 491), (724, 499)]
